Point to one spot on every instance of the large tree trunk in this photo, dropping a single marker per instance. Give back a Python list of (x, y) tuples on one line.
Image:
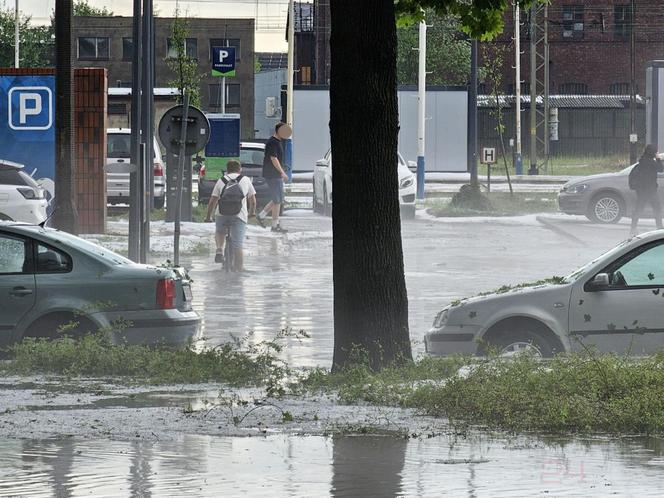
[(64, 217), (370, 301)]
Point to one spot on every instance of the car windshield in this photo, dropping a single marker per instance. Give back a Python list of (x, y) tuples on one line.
[(89, 247), (573, 277)]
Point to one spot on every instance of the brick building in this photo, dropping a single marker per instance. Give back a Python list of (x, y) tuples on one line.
[(588, 45), (107, 42)]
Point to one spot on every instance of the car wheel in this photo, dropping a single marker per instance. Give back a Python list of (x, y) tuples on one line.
[(606, 208), (408, 212), (58, 325), (327, 206), (516, 339), (316, 206), (159, 202)]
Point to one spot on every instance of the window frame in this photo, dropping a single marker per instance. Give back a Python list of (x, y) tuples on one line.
[(96, 56), (215, 101), (125, 57), (187, 41), (29, 262), (35, 258), (578, 16), (622, 27), (623, 260)]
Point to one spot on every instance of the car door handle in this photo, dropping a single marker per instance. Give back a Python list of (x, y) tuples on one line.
[(20, 292)]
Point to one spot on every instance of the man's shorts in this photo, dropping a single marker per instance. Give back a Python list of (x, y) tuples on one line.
[(238, 229), (276, 186)]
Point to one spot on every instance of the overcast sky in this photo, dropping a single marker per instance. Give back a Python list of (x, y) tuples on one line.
[(270, 14)]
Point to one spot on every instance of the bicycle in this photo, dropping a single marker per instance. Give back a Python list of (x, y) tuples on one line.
[(228, 262)]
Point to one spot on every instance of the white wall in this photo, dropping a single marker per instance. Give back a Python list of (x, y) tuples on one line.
[(447, 113)]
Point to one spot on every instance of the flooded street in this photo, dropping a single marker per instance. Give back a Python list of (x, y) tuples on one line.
[(290, 284), (475, 466)]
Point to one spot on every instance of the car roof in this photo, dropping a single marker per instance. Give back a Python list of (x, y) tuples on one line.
[(255, 145)]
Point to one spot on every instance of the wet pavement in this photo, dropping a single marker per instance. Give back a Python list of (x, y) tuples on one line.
[(290, 284), (345, 466)]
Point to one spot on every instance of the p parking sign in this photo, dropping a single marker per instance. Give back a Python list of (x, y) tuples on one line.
[(223, 61)]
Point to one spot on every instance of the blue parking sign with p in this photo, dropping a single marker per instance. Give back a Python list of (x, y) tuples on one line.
[(27, 131), (223, 61)]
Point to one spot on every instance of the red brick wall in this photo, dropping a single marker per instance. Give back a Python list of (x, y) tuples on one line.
[(90, 145), (598, 59)]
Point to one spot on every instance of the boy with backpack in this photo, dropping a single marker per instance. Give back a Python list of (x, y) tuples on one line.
[(643, 180), (236, 197)]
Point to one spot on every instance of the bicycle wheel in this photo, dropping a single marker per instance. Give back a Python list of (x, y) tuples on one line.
[(228, 254)]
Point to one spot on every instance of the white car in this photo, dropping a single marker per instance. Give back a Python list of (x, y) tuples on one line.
[(21, 198), (322, 189), (613, 304), (118, 158)]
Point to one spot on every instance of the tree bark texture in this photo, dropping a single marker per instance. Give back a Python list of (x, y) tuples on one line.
[(370, 300), (65, 216)]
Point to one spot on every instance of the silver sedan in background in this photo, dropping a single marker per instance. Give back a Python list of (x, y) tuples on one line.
[(604, 198)]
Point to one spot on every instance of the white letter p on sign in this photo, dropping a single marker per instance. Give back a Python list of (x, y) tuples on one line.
[(33, 110)]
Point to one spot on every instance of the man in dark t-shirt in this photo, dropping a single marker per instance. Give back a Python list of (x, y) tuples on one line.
[(275, 175)]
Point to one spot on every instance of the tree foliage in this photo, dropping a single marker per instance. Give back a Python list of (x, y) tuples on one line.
[(448, 52), (187, 76), (83, 9), (36, 42)]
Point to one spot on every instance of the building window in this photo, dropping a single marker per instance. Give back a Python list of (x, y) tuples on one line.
[(226, 42), (92, 48), (117, 109), (190, 46), (620, 89), (573, 21), (622, 15), (232, 95), (573, 89), (127, 49)]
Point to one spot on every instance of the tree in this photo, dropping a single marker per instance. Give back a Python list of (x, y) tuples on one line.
[(185, 68), (36, 42), (370, 301), (65, 216), (448, 52), (83, 9)]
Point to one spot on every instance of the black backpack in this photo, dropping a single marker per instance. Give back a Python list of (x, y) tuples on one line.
[(635, 177), (232, 197)]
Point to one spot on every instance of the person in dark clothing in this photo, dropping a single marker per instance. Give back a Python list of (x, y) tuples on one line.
[(274, 173), (643, 180)]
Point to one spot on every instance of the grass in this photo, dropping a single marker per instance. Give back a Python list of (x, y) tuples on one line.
[(502, 203), (566, 165), (582, 392), (94, 356)]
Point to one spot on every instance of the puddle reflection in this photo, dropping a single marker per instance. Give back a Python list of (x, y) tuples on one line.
[(333, 466)]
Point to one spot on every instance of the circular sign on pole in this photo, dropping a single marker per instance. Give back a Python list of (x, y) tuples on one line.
[(198, 130)]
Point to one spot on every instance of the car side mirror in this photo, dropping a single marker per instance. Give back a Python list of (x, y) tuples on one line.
[(412, 166), (599, 283)]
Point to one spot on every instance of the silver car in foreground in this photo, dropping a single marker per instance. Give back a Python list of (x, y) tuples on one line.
[(50, 279), (614, 304), (604, 198)]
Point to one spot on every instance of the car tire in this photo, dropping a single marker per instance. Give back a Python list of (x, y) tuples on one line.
[(517, 338), (327, 205), (159, 202), (606, 208), (47, 327), (408, 212), (316, 206)]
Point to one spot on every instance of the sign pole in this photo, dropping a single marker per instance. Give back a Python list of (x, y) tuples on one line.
[(421, 110), (135, 224), (289, 91), (17, 40), (178, 188)]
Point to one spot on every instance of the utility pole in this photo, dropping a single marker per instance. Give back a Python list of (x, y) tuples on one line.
[(421, 110), (517, 49), (290, 81), (472, 116), (65, 216), (633, 137), (539, 88), (17, 40), (147, 128), (135, 192)]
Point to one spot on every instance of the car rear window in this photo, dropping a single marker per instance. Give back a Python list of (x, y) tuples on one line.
[(11, 177), (249, 157), (87, 246), (119, 145)]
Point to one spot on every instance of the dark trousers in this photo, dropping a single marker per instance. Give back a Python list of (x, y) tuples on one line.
[(642, 200)]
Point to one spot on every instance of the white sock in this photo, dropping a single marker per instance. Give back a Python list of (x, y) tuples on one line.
[(275, 223)]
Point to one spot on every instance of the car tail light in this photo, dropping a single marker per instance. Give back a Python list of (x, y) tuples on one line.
[(201, 172), (158, 170), (166, 294)]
